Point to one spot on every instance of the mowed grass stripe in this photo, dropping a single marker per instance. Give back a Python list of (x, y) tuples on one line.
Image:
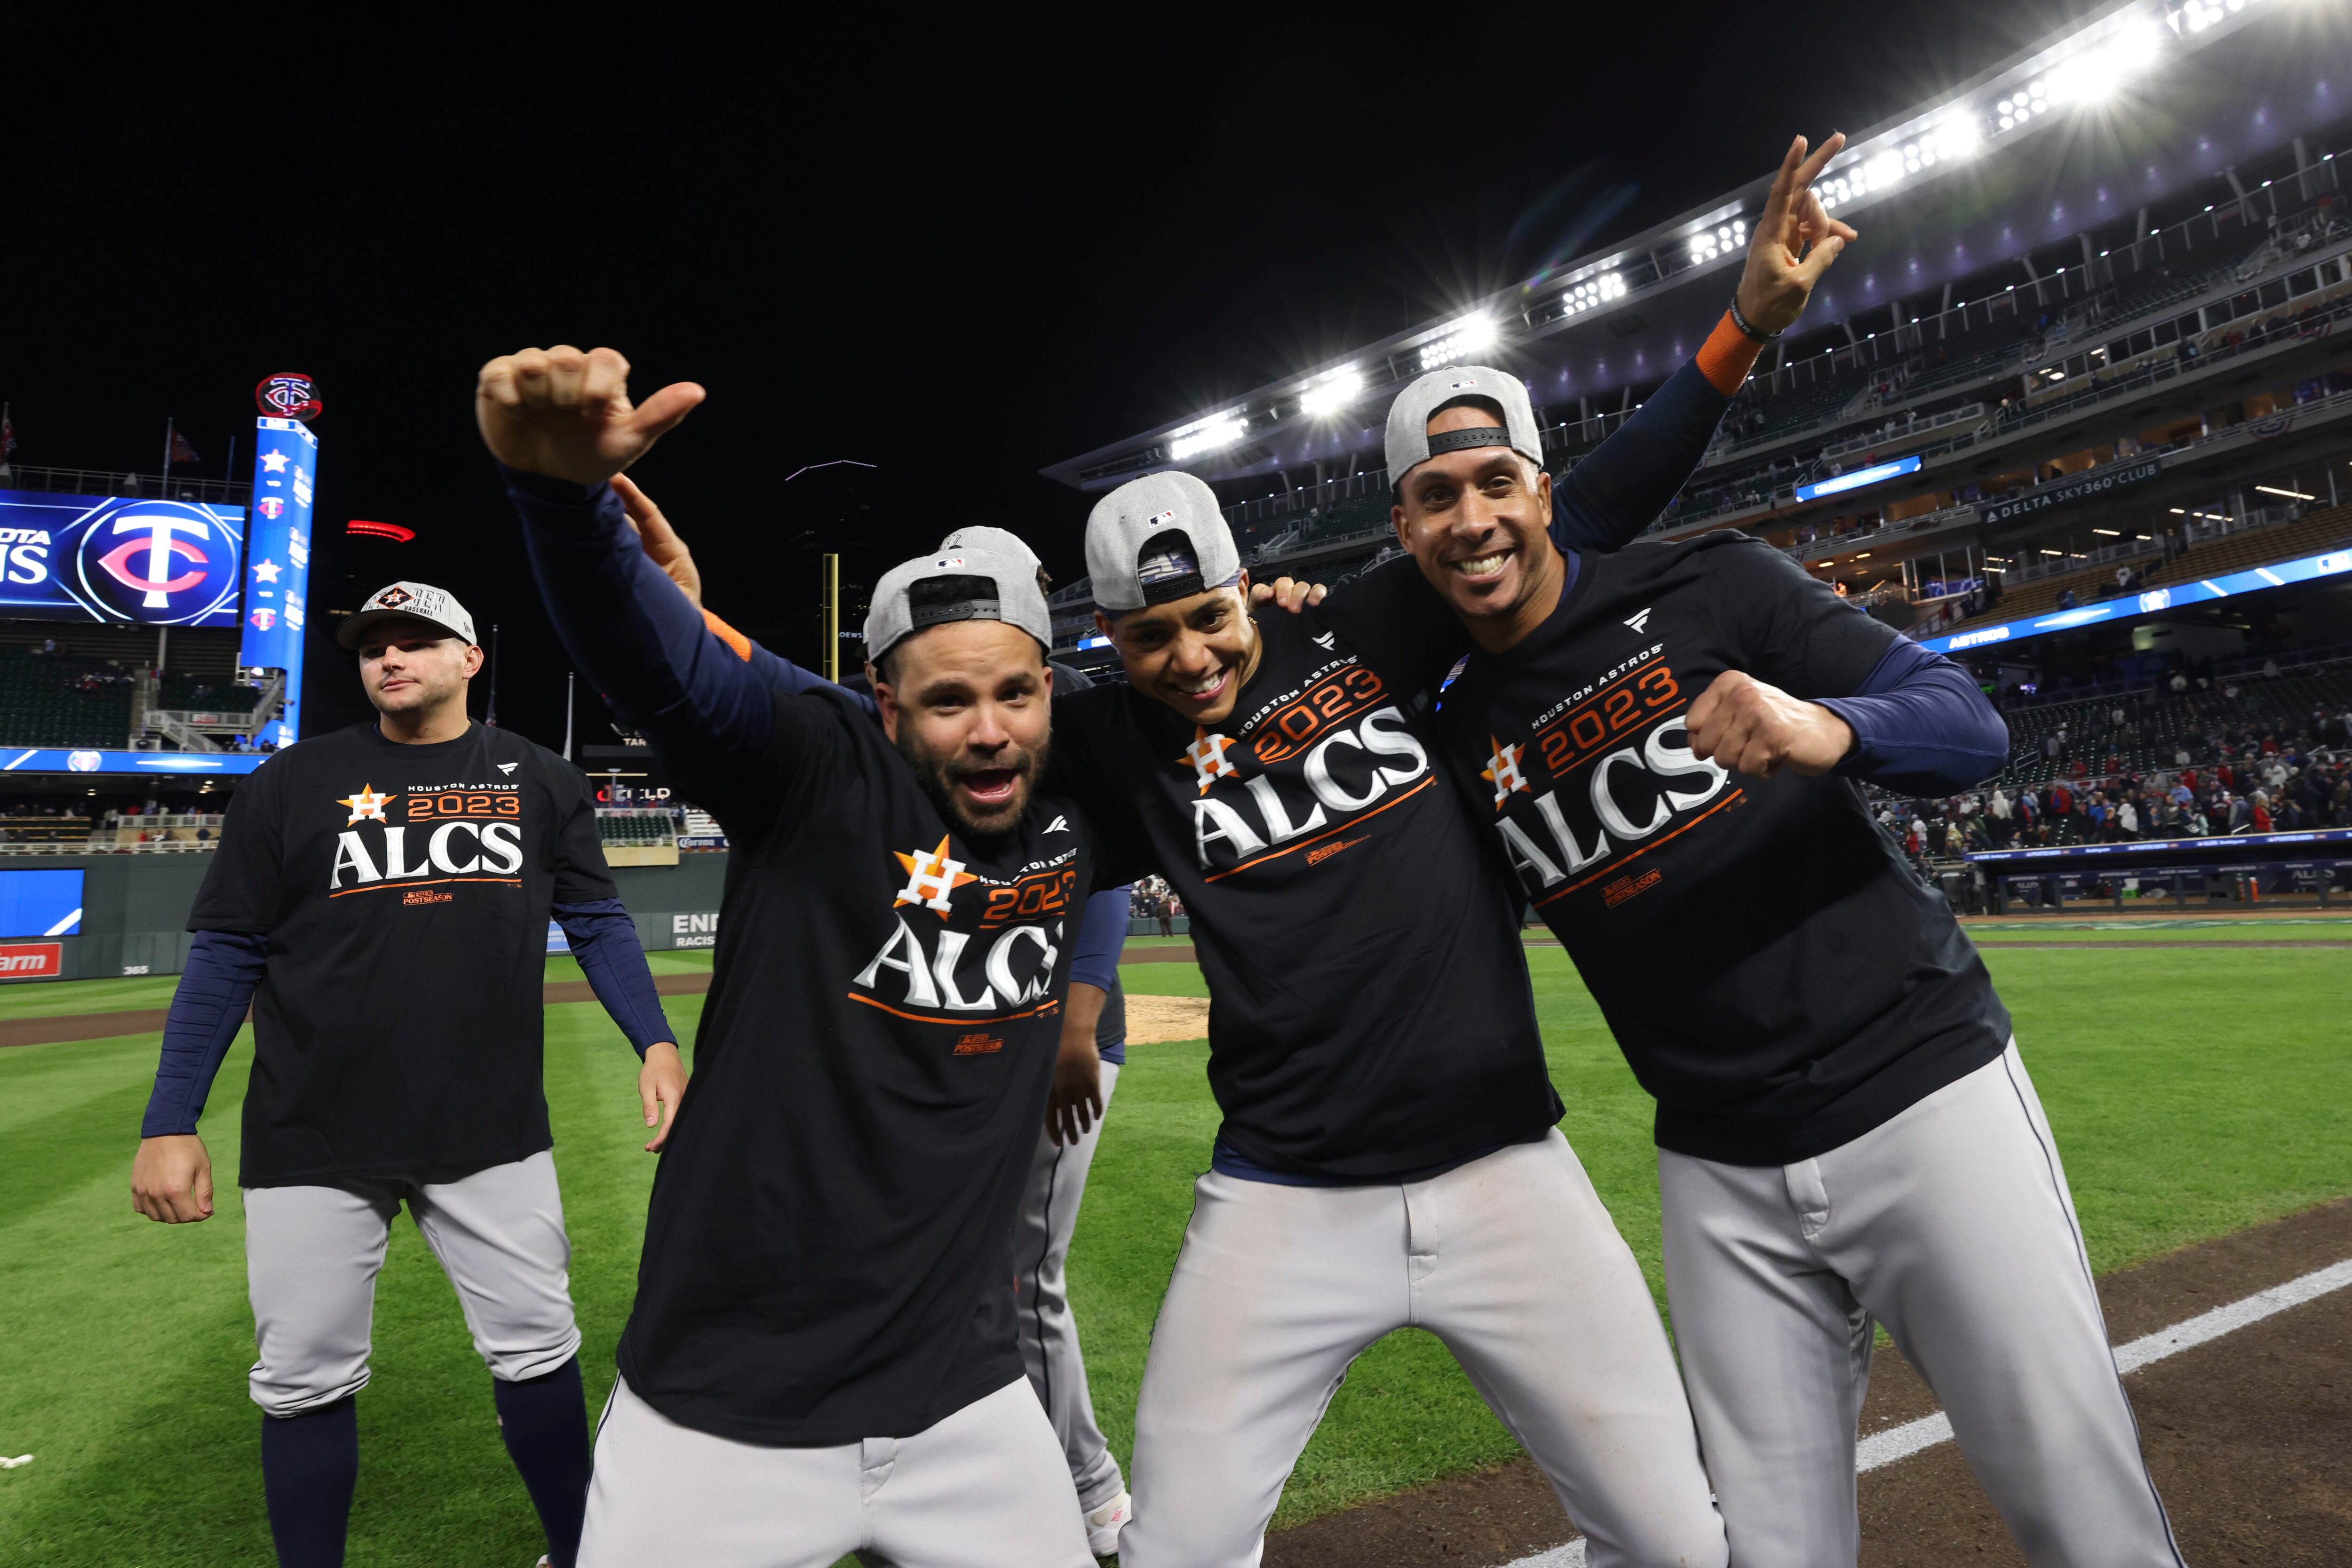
[(2194, 1093)]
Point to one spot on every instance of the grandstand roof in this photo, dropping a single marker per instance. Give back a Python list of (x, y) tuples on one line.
[(2082, 130)]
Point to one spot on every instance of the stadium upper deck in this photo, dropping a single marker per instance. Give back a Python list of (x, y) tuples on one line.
[(2123, 243)]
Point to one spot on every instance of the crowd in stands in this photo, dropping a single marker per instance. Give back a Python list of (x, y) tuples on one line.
[(2236, 762), (1152, 899)]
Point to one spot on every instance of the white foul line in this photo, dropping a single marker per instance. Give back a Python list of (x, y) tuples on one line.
[(1882, 1448)]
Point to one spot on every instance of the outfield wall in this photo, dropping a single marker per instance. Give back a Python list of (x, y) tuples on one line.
[(134, 912)]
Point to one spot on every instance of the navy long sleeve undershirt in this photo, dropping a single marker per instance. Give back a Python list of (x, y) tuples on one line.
[(1920, 725), (225, 968), (604, 943), (1609, 499), (207, 1010)]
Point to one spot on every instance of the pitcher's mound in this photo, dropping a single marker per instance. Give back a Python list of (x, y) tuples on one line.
[(1156, 1020)]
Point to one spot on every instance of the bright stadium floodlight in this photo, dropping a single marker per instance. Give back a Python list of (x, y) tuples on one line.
[(1332, 393), (1217, 431), (1592, 292), (1722, 239), (1467, 336)]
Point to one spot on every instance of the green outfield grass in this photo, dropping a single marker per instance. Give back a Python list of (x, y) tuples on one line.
[(2193, 1092)]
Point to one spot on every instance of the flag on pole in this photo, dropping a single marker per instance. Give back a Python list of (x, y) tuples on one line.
[(181, 451)]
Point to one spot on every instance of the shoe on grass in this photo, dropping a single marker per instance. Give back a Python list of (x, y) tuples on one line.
[(1104, 1525)]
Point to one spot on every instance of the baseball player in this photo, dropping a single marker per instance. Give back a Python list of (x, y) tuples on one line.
[(385, 891), (821, 1357), (1093, 1050), (1669, 745)]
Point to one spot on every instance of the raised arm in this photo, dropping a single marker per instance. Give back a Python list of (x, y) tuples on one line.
[(561, 424), (668, 549), (1607, 500)]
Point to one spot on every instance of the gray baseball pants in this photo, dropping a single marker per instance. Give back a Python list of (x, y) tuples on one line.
[(1049, 1334), (983, 1487), (1952, 1224), (1511, 1261), (312, 1254)]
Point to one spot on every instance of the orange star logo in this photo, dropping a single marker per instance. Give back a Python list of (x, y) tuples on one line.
[(1502, 771), (1207, 755), (367, 805), (931, 880)]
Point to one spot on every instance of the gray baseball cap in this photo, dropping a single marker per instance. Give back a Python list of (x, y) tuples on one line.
[(407, 602), (995, 541), (1410, 443), (1011, 595), (1144, 512)]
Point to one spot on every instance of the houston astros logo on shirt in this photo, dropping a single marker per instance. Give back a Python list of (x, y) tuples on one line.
[(1616, 782), (1000, 969), (455, 833), (1318, 750)]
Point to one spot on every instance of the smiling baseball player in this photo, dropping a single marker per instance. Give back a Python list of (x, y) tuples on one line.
[(1668, 744), (385, 891)]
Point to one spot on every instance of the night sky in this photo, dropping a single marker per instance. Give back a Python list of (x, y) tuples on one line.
[(956, 254)]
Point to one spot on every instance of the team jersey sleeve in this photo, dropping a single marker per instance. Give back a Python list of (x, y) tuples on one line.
[(580, 875), (718, 728), (1919, 723), (243, 889), (1606, 501), (1786, 627)]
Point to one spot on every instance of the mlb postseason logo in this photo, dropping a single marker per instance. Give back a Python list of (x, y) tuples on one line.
[(284, 470)]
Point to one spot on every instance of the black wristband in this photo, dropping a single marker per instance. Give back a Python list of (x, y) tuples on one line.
[(1747, 327)]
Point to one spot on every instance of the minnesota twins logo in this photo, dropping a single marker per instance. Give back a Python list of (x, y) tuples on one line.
[(270, 507), (169, 562), (289, 395)]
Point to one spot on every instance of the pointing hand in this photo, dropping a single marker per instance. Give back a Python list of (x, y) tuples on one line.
[(567, 415)]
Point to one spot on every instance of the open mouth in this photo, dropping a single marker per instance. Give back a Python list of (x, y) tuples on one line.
[(1204, 694), (1480, 569), (991, 787)]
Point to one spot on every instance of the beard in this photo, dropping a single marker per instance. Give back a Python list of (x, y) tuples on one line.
[(939, 775)]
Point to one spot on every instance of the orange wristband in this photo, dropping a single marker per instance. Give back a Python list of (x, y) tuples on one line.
[(1728, 355)]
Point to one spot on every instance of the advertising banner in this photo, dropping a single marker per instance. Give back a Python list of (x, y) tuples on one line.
[(2097, 482), (119, 559)]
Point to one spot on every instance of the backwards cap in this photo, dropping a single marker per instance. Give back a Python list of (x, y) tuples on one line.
[(1011, 595), (1410, 443), (995, 541), (1158, 538)]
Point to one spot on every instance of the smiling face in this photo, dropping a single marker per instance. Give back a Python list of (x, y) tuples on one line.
[(1192, 655), (968, 705), (414, 668), (1477, 521)]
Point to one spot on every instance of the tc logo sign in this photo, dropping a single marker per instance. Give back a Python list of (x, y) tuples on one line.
[(159, 562)]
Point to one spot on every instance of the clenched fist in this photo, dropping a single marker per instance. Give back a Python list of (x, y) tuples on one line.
[(1758, 730), (567, 415)]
